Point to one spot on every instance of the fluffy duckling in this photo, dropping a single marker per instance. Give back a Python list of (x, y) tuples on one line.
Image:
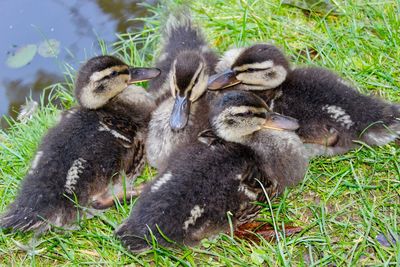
[(79, 160), (179, 35), (186, 63), (331, 114), (221, 173)]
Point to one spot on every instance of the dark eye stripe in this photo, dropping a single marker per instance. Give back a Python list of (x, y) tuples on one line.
[(261, 115), (118, 73), (126, 71), (250, 70), (251, 114), (244, 114)]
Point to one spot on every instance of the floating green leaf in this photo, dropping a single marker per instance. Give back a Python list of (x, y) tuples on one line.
[(49, 48), (22, 56)]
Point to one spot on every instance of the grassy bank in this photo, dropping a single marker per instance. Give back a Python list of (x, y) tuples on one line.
[(349, 206)]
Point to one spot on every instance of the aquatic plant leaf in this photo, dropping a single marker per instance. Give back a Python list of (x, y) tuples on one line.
[(316, 6), (49, 48), (21, 56)]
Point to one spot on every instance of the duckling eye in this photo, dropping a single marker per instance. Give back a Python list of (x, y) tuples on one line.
[(113, 73), (230, 122), (251, 70)]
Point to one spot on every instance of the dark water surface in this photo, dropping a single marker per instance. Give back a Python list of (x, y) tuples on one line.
[(76, 25)]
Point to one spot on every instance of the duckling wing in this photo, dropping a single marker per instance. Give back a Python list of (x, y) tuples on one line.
[(119, 126)]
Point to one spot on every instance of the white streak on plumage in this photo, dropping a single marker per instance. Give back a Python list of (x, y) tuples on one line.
[(116, 134), (73, 175), (339, 114), (195, 213), (161, 181)]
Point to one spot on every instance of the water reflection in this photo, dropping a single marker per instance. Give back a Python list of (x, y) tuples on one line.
[(77, 25)]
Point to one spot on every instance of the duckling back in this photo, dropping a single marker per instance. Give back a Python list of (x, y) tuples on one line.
[(325, 105), (190, 199)]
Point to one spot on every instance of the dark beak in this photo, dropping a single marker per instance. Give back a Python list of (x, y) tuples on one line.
[(276, 121), (222, 80), (142, 74), (180, 113)]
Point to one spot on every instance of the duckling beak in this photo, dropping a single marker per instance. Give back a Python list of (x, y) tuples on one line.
[(279, 122), (180, 113), (222, 80), (142, 74)]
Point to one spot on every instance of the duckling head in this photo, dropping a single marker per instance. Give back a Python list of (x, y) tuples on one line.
[(258, 67), (104, 77), (236, 115), (188, 82)]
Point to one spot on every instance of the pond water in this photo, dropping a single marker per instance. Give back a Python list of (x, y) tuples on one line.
[(75, 25)]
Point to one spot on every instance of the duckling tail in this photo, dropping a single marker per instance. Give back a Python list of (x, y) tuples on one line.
[(383, 133), (22, 219), (36, 212)]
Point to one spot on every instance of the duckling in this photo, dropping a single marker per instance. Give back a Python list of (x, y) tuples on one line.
[(179, 35), (186, 63), (79, 159), (331, 114), (248, 149)]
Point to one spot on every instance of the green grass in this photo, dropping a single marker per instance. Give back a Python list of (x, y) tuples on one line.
[(344, 202)]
